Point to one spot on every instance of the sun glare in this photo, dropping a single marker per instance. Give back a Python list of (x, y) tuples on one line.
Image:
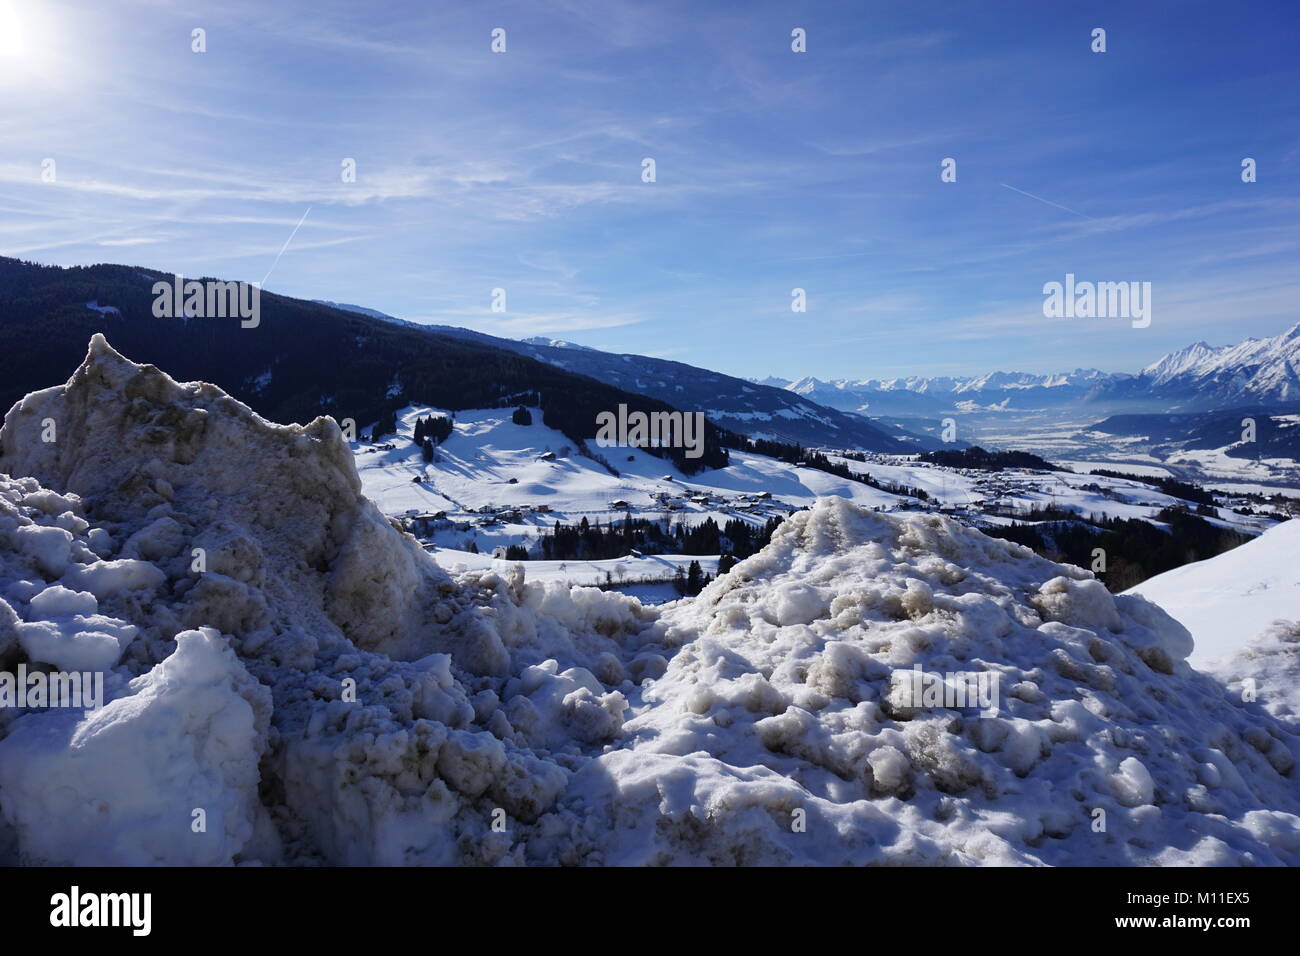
[(29, 41), (13, 41)]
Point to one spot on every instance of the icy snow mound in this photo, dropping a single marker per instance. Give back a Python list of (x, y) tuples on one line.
[(165, 774), (412, 717), (1225, 601), (781, 732), (61, 603)]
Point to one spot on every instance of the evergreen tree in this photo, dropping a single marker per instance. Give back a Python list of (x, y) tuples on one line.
[(694, 578)]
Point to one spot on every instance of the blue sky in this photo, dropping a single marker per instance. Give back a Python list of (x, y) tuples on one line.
[(775, 170)]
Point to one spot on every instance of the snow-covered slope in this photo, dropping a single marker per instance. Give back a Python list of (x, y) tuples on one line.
[(325, 693), (1268, 670), (473, 469), (1228, 600)]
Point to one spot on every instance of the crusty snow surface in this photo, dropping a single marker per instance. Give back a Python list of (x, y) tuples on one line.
[(499, 720)]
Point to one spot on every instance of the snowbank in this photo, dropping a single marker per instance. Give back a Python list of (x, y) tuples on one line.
[(166, 773), (777, 734), (1227, 600), (278, 655)]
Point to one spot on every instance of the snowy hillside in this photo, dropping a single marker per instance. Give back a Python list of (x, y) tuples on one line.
[(1228, 600), (474, 466), (497, 483), (494, 484), (324, 692)]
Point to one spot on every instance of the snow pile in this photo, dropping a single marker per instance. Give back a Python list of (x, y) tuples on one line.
[(291, 679), (409, 713), (121, 785), (76, 606), (778, 733)]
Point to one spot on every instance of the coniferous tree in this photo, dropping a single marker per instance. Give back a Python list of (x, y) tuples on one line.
[(694, 578)]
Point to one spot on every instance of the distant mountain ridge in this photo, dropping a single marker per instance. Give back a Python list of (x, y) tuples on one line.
[(748, 408), (1199, 377), (302, 359), (1262, 369)]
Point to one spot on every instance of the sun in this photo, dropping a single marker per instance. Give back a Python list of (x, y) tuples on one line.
[(25, 39), (13, 39), (46, 50)]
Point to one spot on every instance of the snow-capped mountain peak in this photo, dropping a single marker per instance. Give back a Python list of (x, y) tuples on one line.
[(1254, 369)]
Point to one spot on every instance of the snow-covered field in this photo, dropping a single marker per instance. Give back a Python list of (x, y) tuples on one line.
[(1215, 465), (1018, 490), (475, 464), (323, 692), (473, 468)]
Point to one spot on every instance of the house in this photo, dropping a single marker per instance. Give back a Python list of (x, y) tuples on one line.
[(763, 495), (546, 456), (543, 509), (619, 503)]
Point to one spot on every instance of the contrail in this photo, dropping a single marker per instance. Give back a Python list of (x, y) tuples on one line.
[(286, 246), (1048, 201)]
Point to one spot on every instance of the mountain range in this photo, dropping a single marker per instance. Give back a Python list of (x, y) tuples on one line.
[(371, 362), (748, 408), (1199, 377), (305, 358)]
